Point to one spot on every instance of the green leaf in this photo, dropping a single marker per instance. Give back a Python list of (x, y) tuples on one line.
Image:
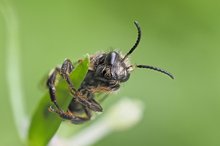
[(44, 124)]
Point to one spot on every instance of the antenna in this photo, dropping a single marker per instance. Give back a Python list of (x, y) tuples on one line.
[(156, 69), (137, 41)]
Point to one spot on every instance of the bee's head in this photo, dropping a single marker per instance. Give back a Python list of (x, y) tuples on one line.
[(112, 67)]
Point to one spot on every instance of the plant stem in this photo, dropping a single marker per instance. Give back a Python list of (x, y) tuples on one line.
[(13, 68)]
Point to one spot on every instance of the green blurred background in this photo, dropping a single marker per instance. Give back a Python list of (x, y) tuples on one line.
[(182, 37)]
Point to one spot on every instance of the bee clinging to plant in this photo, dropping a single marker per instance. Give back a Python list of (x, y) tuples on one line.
[(106, 72)]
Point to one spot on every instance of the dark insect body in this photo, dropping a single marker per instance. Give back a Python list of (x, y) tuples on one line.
[(106, 72)]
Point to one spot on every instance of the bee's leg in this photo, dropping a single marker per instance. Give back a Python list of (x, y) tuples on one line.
[(51, 85), (95, 105), (64, 71), (88, 101), (76, 119)]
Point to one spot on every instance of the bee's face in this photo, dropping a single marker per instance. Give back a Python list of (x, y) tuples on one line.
[(111, 67)]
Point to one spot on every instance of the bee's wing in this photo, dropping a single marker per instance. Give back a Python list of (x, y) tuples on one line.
[(101, 97), (42, 83)]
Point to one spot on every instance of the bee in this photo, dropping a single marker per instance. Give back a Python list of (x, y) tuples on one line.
[(105, 74)]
